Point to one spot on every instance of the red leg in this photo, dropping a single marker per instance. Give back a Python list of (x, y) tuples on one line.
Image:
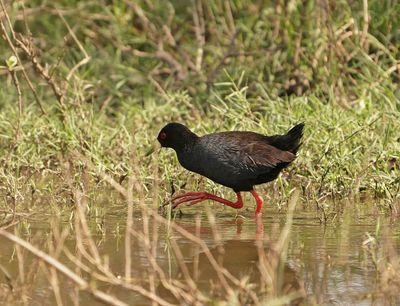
[(196, 197), (259, 201)]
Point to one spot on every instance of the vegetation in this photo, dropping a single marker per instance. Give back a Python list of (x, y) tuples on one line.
[(107, 76), (87, 85)]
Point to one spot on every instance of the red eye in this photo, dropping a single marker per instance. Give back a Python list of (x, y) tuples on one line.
[(162, 136)]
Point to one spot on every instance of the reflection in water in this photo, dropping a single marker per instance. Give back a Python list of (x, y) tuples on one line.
[(242, 259), (332, 264)]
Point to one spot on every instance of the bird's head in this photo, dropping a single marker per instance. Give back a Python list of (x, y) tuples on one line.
[(176, 136)]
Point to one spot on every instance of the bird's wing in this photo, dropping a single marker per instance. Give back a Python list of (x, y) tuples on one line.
[(248, 153), (261, 154)]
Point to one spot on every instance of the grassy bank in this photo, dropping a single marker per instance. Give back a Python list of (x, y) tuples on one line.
[(106, 78)]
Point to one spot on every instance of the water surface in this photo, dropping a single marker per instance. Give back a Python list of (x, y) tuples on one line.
[(340, 262)]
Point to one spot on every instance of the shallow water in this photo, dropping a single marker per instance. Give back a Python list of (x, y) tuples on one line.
[(330, 264)]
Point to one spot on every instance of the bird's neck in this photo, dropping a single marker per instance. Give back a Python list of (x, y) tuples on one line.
[(186, 143), (187, 154)]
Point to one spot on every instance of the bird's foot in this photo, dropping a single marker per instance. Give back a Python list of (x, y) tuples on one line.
[(191, 197), (196, 197)]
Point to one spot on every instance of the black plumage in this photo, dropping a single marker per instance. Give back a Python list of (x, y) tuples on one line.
[(238, 160)]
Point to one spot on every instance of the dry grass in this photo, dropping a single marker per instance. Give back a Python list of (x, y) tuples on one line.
[(88, 271)]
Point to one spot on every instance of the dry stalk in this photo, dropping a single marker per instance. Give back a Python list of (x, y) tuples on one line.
[(269, 264), (196, 257), (177, 289), (16, 84), (21, 264), (229, 52), (14, 51), (199, 27), (129, 224), (182, 266), (216, 236), (158, 40), (132, 185), (366, 19), (8, 278), (83, 61), (55, 251), (222, 273), (75, 292), (52, 278), (82, 226), (147, 245), (266, 272), (281, 245), (82, 229), (27, 46), (148, 26), (79, 281), (166, 57), (16, 137), (229, 19)]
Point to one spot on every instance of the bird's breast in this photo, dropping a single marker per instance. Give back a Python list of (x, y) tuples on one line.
[(190, 160), (207, 163)]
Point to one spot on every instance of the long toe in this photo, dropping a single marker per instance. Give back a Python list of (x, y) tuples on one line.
[(192, 199), (186, 194), (182, 200), (196, 197)]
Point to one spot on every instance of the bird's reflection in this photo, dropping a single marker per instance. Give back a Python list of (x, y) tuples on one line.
[(246, 260)]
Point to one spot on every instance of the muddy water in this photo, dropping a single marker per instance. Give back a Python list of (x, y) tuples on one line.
[(328, 264)]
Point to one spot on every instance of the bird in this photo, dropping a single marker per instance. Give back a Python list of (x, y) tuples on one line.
[(239, 160)]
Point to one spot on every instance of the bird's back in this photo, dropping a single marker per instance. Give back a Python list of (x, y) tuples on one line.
[(240, 160)]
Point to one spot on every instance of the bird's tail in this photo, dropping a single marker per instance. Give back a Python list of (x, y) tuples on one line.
[(293, 137), (289, 142)]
